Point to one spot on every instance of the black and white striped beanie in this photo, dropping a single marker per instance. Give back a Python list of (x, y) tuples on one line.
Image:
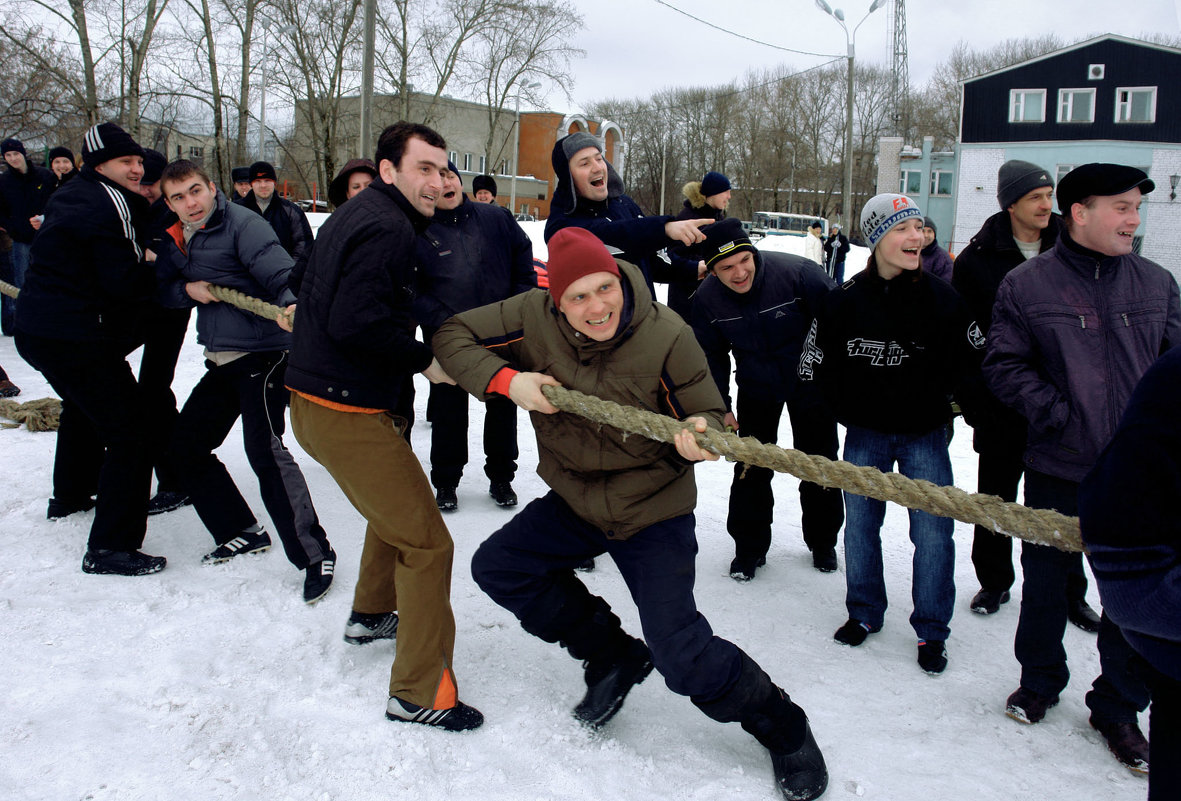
[(107, 141)]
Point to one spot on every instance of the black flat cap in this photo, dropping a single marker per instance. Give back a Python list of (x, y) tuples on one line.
[(1100, 179)]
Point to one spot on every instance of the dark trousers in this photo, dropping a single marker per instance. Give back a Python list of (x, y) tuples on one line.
[(101, 442), (164, 334), (992, 553), (448, 413), (251, 388), (1118, 693), (752, 501), (528, 568), (1164, 738)]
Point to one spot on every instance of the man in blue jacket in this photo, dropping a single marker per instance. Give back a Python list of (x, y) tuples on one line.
[(590, 195), (760, 306), (472, 254), (218, 242), (1073, 330)]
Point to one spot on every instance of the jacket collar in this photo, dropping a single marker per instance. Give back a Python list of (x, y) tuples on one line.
[(417, 220), (997, 233), (455, 215), (135, 200), (1081, 258)]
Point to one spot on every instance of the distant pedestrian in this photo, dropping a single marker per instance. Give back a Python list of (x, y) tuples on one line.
[(354, 176), (241, 178), (63, 165), (287, 220), (814, 244), (24, 190), (484, 189), (836, 248), (936, 260), (706, 199)]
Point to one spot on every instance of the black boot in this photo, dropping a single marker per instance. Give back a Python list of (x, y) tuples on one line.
[(609, 679)]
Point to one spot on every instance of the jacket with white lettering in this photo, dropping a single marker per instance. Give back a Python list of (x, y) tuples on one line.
[(890, 354)]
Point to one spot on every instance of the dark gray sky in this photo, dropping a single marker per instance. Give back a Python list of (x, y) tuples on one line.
[(637, 47)]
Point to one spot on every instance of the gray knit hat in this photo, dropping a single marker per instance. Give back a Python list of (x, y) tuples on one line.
[(1017, 179), (579, 140), (883, 212)]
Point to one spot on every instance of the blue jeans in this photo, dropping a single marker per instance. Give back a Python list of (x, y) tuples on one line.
[(919, 456)]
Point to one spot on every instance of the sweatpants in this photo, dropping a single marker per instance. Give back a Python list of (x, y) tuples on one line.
[(251, 388), (449, 416), (406, 560)]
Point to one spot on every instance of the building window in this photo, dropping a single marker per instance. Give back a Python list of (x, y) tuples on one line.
[(1062, 170), (504, 167), (911, 182), (1076, 105), (467, 162), (1135, 104), (940, 182), (483, 163), (451, 156), (1027, 105), (196, 152)]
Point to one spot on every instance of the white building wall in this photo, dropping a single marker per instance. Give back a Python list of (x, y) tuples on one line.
[(975, 198), (1161, 224)]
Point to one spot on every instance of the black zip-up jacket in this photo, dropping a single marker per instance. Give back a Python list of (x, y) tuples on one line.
[(290, 223), (24, 195), (976, 275), (764, 328), (87, 279), (353, 342), (890, 354), (470, 256)]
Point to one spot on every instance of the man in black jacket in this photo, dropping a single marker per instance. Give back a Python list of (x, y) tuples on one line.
[(472, 254), (351, 355), (287, 219), (836, 248), (24, 191), (760, 306), (1024, 227), (78, 318)]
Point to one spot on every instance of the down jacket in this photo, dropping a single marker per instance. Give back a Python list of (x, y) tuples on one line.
[(235, 249), (765, 328), (1072, 333), (618, 483)]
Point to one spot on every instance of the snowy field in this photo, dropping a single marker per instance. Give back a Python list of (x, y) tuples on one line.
[(219, 683)]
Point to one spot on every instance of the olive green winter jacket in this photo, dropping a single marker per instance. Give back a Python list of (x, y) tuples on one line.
[(618, 483)]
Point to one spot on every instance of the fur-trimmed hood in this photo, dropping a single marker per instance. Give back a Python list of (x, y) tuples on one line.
[(692, 193)]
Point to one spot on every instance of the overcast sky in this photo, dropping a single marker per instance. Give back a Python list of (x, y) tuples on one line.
[(637, 47)]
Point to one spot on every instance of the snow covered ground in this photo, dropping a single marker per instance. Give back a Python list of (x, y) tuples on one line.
[(219, 683)]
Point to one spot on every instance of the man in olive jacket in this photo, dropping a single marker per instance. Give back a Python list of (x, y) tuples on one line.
[(598, 331)]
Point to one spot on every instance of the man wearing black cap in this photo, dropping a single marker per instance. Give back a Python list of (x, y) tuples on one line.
[(241, 178), (706, 199), (24, 191), (760, 306), (61, 162), (287, 219), (1024, 227), (484, 189), (79, 316), (1073, 330), (472, 254), (589, 194), (597, 330), (163, 333), (836, 248)]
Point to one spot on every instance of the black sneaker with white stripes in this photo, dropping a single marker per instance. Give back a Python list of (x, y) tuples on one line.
[(363, 628), (244, 543), (319, 578), (460, 717)]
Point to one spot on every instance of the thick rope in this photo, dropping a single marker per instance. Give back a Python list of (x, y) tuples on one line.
[(37, 415), (8, 289), (1040, 526)]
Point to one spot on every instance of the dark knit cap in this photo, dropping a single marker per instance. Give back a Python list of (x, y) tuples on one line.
[(9, 145), (154, 164), (1103, 180), (714, 183), (338, 190), (61, 152), (817, 224), (722, 239), (574, 253), (451, 166), (260, 170), (929, 223), (484, 182), (107, 141), (240, 174), (1017, 179)]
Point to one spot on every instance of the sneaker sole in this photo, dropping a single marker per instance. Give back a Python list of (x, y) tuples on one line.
[(1018, 714), (310, 601), (94, 570), (205, 560)]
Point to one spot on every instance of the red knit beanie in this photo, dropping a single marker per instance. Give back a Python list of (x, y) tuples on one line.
[(574, 253)]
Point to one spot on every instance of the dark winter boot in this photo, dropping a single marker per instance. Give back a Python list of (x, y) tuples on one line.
[(609, 679)]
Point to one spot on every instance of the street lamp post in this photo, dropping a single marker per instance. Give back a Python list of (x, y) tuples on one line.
[(850, 38), (512, 202)]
